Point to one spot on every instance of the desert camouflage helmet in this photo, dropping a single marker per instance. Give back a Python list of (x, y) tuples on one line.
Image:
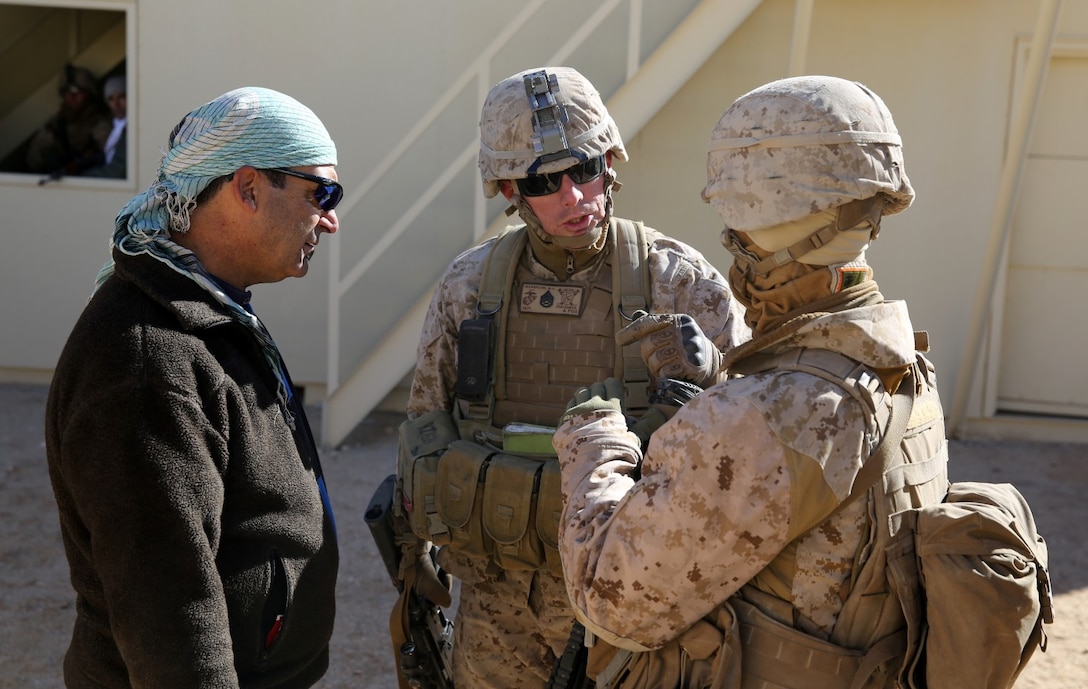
[(800, 146), (542, 120)]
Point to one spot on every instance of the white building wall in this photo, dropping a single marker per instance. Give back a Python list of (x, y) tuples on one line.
[(946, 70), (368, 69), (371, 69)]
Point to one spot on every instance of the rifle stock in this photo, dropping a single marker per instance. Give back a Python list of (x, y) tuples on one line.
[(426, 657), (569, 671)]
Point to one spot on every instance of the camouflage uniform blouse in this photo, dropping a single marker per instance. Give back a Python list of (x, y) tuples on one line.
[(735, 488)]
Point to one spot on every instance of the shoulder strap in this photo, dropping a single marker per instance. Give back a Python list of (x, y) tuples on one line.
[(499, 270), (632, 274), (495, 285), (631, 293), (881, 459), (847, 374), (486, 356)]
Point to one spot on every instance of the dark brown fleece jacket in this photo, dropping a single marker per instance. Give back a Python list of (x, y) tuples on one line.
[(189, 509)]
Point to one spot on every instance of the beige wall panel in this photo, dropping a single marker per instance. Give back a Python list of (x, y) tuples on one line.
[(1045, 232), (945, 71), (945, 68), (1045, 321), (1045, 339), (1060, 130)]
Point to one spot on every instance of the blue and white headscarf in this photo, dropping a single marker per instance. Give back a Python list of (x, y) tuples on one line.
[(247, 126)]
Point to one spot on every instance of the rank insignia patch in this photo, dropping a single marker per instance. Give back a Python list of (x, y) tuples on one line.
[(554, 298)]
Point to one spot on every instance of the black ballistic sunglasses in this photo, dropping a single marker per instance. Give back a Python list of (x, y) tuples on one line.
[(328, 194), (542, 185)]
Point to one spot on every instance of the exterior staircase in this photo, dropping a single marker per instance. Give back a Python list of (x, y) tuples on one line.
[(640, 51)]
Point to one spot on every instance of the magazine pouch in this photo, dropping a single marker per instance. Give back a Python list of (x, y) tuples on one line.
[(549, 511), (459, 498), (421, 442), (508, 509)]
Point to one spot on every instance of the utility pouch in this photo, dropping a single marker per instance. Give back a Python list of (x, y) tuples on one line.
[(459, 496), (781, 656), (549, 511), (423, 517), (707, 655), (474, 354), (421, 442), (508, 511)]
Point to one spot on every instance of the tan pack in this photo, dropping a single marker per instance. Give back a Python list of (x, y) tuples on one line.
[(983, 569)]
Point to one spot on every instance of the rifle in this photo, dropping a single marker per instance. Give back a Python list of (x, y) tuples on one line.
[(569, 671), (426, 658)]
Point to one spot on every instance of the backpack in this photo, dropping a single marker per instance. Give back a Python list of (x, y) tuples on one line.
[(982, 569)]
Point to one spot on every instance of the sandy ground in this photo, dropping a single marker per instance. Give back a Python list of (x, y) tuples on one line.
[(36, 601)]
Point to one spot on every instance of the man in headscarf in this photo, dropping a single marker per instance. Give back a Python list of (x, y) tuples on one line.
[(736, 551), (195, 518)]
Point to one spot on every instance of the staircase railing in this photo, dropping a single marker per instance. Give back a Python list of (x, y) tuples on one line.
[(655, 63)]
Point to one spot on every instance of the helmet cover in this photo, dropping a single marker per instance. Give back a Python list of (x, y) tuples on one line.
[(800, 146), (540, 121)]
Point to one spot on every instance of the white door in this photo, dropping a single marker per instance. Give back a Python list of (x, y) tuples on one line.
[(1043, 366)]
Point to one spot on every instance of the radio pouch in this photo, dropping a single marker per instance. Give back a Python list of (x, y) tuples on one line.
[(474, 354)]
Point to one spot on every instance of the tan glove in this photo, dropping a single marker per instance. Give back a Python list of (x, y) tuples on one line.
[(418, 569), (673, 346)]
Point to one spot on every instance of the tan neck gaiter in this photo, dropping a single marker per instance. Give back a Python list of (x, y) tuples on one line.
[(796, 288)]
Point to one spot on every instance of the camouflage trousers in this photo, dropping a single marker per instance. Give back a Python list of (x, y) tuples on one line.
[(510, 626)]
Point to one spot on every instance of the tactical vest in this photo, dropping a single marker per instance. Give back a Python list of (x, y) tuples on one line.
[(872, 615), (533, 344), (544, 346)]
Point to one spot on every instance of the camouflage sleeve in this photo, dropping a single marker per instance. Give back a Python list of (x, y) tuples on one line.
[(644, 561), (683, 281), (453, 301)]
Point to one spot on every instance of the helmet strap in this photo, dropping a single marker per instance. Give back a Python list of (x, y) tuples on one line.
[(849, 217)]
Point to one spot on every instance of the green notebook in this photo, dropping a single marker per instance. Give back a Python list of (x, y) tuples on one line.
[(527, 439)]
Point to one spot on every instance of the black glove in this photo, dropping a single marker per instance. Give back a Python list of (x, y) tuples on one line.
[(671, 392), (673, 346)]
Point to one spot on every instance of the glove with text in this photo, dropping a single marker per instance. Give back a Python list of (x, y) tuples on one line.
[(673, 346)]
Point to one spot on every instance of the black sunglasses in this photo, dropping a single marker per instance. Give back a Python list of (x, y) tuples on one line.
[(328, 194), (542, 185)]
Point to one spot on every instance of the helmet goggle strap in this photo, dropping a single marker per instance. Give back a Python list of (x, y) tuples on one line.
[(850, 215), (549, 116)]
